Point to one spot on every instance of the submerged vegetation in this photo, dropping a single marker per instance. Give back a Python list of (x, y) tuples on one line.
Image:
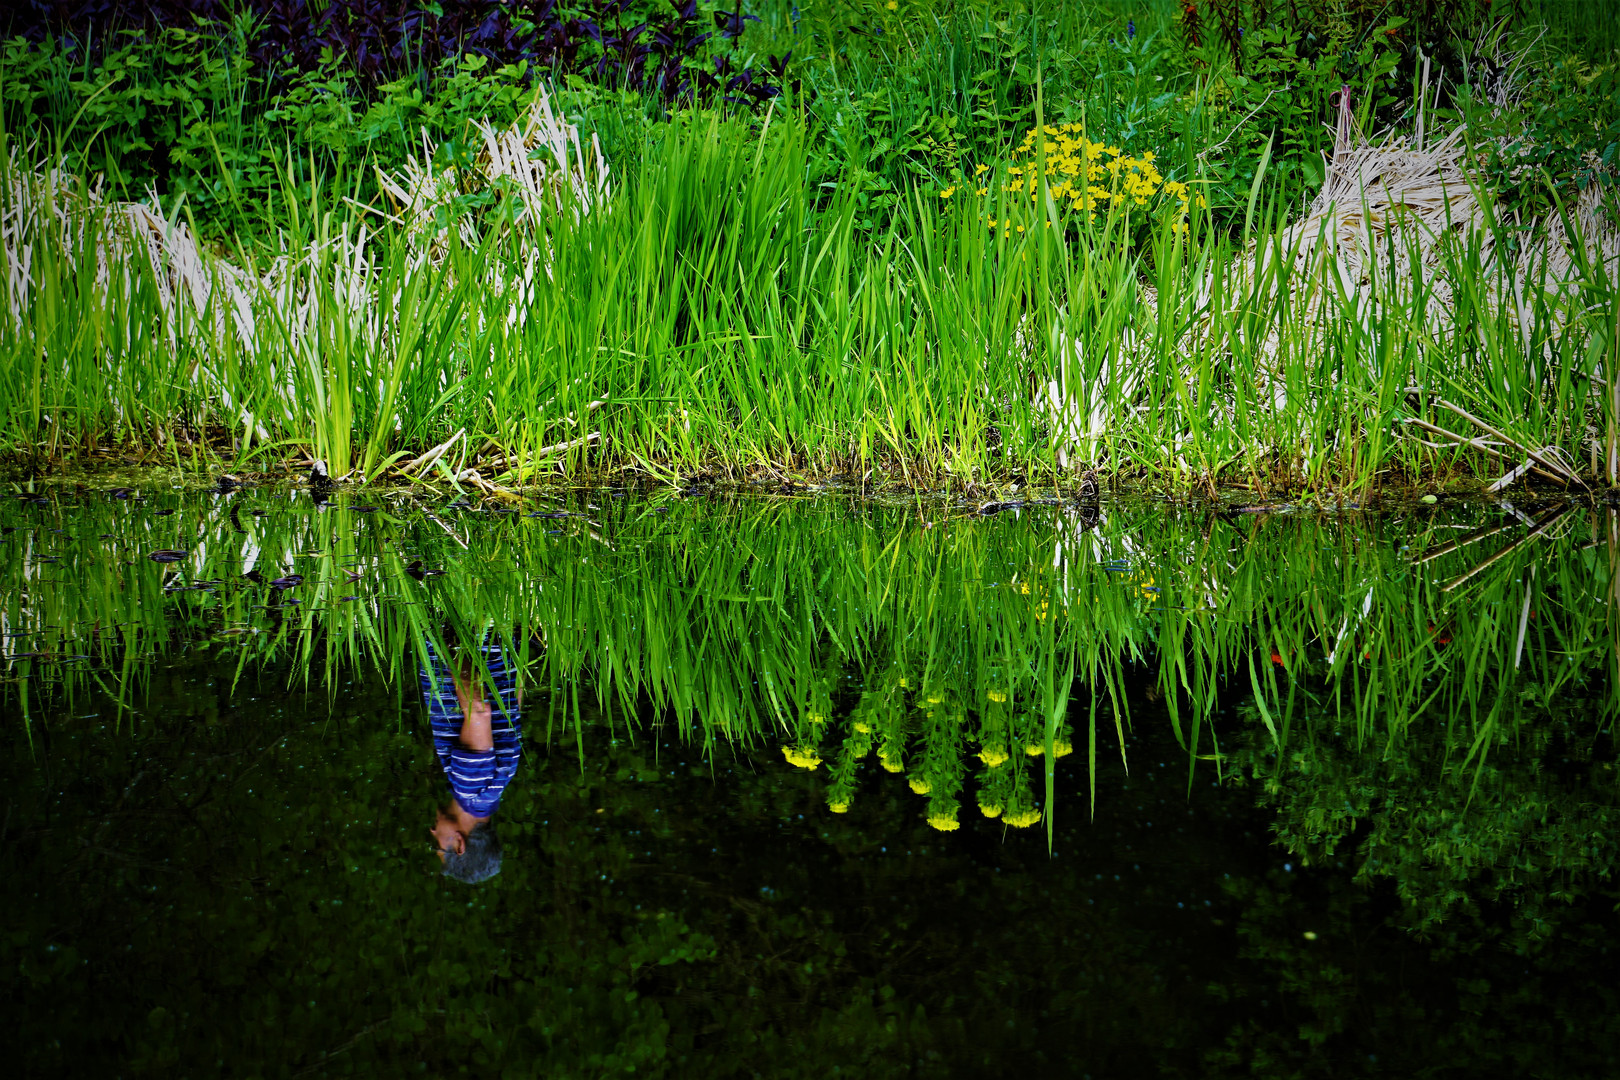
[(967, 247)]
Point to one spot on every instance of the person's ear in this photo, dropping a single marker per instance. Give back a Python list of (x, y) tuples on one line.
[(459, 844)]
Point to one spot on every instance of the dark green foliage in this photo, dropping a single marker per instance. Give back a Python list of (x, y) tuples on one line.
[(226, 112)]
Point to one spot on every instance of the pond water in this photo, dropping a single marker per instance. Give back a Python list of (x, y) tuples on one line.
[(806, 786)]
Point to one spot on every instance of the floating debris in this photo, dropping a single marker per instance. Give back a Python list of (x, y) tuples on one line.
[(167, 555)]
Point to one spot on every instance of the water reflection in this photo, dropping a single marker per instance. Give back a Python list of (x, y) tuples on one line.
[(473, 707), (1147, 790)]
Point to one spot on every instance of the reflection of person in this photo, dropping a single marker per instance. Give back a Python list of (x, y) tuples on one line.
[(476, 739)]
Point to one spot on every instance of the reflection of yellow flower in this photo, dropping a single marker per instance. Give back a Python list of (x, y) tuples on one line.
[(891, 764), (997, 695), (919, 784), (993, 755), (1023, 819), (1060, 748), (863, 727), (838, 807), (892, 5), (798, 755), (943, 823), (1034, 749), (990, 809)]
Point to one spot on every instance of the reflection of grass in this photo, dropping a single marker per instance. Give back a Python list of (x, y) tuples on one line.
[(848, 636)]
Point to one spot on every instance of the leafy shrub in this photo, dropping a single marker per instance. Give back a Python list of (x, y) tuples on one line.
[(190, 100), (1564, 140)]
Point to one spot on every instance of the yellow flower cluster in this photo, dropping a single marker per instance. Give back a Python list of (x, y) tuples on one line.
[(990, 809), (943, 823), (1023, 819), (804, 759), (1060, 748), (1084, 176), (993, 755), (919, 784), (838, 807)]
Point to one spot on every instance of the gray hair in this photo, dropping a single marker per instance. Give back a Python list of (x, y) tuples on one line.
[(480, 858)]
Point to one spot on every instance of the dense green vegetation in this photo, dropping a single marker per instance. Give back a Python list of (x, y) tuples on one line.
[(834, 271)]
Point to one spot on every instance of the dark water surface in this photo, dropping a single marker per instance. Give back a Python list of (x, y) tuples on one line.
[(810, 788)]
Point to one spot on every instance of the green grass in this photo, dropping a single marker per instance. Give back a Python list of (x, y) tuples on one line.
[(785, 295), (731, 320)]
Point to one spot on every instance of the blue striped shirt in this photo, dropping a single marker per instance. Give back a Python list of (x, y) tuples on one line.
[(477, 778)]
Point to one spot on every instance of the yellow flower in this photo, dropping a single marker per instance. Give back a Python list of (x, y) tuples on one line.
[(863, 727), (1034, 749), (838, 807), (892, 5), (990, 809), (948, 192), (891, 765), (997, 695), (993, 755), (980, 171), (1023, 819), (919, 784), (943, 823), (804, 759)]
